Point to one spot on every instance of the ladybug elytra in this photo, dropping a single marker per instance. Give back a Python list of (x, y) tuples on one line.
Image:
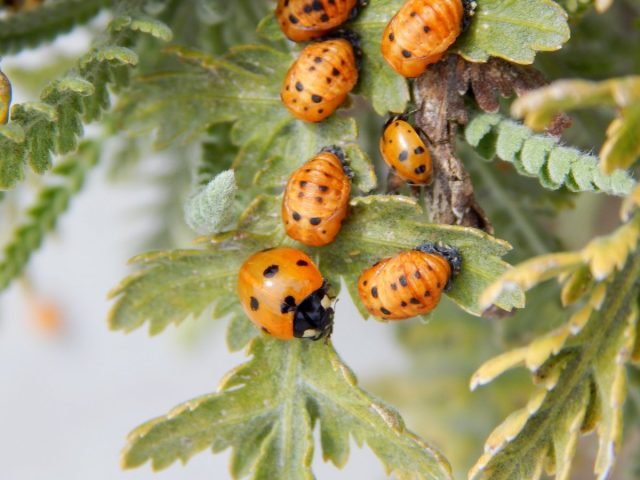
[(283, 293), (405, 152)]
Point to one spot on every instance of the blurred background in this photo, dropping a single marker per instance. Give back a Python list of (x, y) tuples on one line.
[(70, 389)]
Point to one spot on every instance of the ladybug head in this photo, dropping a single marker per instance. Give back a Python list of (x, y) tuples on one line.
[(313, 317), (451, 254)]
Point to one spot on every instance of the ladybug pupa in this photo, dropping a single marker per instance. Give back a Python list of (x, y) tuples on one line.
[(302, 20), (320, 79), (316, 199), (422, 31), (409, 283), (405, 152)]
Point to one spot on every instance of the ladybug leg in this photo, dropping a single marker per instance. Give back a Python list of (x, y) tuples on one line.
[(394, 183)]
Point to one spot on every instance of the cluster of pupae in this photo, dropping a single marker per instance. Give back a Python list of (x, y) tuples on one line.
[(281, 289)]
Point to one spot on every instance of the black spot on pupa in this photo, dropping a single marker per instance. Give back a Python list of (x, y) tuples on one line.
[(296, 216), (323, 188), (365, 283), (426, 29), (317, 5), (403, 155), (270, 271), (335, 72), (308, 8), (329, 80), (374, 292), (403, 281), (312, 68), (321, 110), (427, 293), (439, 285), (299, 86), (302, 263), (417, 274), (315, 220), (287, 88), (385, 311), (303, 184), (392, 37), (414, 301), (403, 303), (406, 53), (316, 98), (324, 17), (318, 60), (419, 150), (293, 19), (413, 14), (394, 286), (324, 231), (421, 169), (300, 194), (255, 305), (319, 199)]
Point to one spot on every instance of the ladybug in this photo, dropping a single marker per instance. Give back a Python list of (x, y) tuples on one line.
[(5, 98), (409, 283), (302, 20), (316, 198), (320, 79), (405, 152), (421, 31), (283, 293), (22, 5)]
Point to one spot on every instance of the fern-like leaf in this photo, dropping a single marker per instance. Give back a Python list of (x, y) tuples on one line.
[(266, 411), (53, 125), (51, 202), (581, 365), (34, 27), (538, 155)]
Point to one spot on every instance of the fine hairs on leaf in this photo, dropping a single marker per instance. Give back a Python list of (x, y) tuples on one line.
[(39, 130), (541, 156), (50, 203), (210, 209)]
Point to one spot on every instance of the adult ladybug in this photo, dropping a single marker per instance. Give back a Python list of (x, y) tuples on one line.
[(302, 20), (284, 294), (316, 198), (409, 283), (421, 31), (405, 152), (320, 79), (5, 98)]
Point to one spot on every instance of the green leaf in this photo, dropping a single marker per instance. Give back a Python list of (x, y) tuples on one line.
[(54, 125), (242, 87), (514, 30), (41, 217), (538, 155), (211, 208), (32, 28), (380, 226), (266, 411)]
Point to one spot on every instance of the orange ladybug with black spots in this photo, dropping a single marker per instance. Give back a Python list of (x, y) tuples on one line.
[(404, 150), (316, 198), (320, 79), (410, 283), (302, 20), (421, 32), (283, 293)]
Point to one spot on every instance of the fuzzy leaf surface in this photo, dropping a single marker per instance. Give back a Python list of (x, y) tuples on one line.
[(266, 411)]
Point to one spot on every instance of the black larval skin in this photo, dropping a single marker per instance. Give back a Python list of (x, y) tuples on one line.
[(311, 315), (451, 254)]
